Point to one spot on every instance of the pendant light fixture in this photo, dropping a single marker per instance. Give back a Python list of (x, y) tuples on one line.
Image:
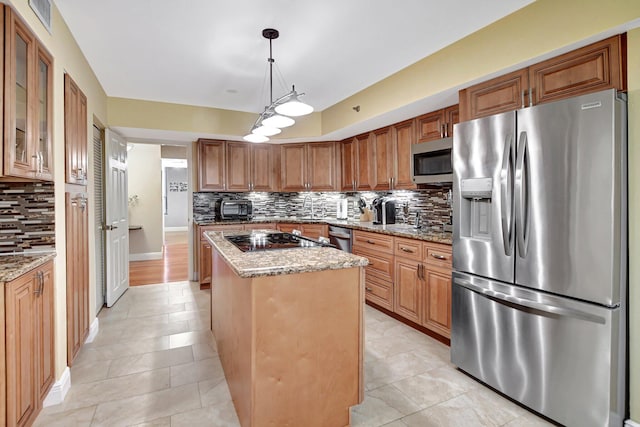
[(278, 114)]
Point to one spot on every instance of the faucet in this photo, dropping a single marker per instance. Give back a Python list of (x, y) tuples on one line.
[(304, 205)]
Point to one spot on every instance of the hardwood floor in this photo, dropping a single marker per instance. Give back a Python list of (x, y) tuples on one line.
[(173, 267)]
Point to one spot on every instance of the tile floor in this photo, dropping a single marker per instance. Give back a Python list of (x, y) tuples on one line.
[(154, 363)]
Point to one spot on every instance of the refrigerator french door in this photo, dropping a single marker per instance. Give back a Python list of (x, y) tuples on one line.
[(539, 256)]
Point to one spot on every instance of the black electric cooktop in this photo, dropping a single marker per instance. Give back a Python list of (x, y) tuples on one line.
[(262, 241)]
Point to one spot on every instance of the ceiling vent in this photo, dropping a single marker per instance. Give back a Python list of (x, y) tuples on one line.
[(42, 9)]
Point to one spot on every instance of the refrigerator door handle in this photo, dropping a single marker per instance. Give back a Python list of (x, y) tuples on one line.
[(524, 302), (506, 194), (522, 195)]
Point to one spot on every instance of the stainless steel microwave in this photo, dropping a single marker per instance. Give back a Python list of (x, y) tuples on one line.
[(431, 161)]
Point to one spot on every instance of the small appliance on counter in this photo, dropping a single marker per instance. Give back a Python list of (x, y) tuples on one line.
[(228, 208), (342, 211), (384, 210)]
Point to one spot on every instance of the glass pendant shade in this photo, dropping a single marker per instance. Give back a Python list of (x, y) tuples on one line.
[(294, 107), (278, 121), (254, 137), (266, 130)]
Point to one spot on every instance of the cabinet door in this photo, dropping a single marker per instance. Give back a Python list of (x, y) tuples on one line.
[(211, 165), (44, 323), (44, 114), (364, 161), (437, 301), (263, 173), (20, 158), (504, 93), (598, 66), (451, 117), (407, 289), (431, 126), (321, 166), (288, 228), (205, 262), (314, 231), (238, 166), (383, 159), (294, 171), (404, 137), (75, 136), (348, 164), (21, 347)]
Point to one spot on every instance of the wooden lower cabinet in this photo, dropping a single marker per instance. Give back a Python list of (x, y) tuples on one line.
[(313, 231), (407, 289), (26, 314), (203, 250), (379, 277), (436, 310)]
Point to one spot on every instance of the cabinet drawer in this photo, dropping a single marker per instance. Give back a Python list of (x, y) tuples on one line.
[(379, 291), (408, 248), (372, 241), (380, 264), (437, 255)]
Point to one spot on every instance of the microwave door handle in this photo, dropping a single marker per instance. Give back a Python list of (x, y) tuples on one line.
[(506, 194), (522, 197)]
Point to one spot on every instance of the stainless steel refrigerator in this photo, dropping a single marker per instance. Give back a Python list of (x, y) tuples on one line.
[(540, 256)]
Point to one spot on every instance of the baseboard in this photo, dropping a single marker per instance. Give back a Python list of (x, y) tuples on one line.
[(630, 423), (184, 228), (145, 256), (59, 389), (93, 331)]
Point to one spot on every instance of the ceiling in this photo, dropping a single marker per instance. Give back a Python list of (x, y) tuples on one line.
[(212, 53)]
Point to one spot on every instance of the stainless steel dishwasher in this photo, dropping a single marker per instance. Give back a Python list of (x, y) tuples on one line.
[(341, 237)]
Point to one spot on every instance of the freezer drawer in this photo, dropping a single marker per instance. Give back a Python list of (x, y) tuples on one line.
[(560, 357)]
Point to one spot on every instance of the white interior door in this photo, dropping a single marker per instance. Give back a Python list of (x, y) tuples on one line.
[(117, 216)]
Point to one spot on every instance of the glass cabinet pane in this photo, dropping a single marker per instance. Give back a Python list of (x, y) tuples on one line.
[(43, 112), (21, 100)]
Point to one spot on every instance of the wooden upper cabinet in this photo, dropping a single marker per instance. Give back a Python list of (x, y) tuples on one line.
[(212, 173), (404, 137), (348, 156), (293, 159), (451, 117), (383, 159), (238, 166), (430, 126), (27, 103), (599, 66), (75, 133), (322, 174), (364, 159), (263, 173), (504, 93)]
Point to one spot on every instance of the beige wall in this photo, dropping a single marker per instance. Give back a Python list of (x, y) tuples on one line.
[(145, 181), (173, 152), (67, 58)]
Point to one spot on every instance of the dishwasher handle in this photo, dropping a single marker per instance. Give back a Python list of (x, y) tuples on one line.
[(339, 235)]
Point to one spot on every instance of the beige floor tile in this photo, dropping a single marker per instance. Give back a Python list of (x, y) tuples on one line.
[(130, 348), (90, 371), (150, 361), (91, 394), (147, 407), (152, 311), (204, 351), (190, 338), (188, 315), (214, 392), (390, 345), (528, 420), (223, 415), (381, 406), (160, 422), (74, 418), (201, 370), (435, 386), (394, 368), (158, 330)]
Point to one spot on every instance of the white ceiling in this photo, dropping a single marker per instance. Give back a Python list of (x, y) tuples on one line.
[(212, 53)]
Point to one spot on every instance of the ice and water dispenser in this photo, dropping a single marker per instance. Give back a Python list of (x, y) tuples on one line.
[(475, 208)]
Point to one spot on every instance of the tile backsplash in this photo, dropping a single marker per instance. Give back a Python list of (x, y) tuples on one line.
[(431, 204), (26, 217)]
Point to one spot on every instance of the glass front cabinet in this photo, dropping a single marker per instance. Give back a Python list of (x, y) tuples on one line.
[(28, 89)]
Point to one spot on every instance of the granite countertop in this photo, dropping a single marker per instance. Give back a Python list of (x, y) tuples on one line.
[(15, 265), (281, 261), (399, 230)]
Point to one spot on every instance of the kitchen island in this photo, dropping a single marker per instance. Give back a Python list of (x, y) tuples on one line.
[(289, 328)]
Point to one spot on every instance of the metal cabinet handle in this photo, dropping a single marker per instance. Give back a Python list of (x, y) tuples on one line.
[(402, 248), (522, 99), (440, 257), (368, 289), (40, 280), (371, 242), (530, 98)]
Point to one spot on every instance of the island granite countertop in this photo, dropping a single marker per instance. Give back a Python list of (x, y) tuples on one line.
[(15, 265), (398, 230), (280, 261)]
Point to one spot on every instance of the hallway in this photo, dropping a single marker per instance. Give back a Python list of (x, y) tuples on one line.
[(154, 363)]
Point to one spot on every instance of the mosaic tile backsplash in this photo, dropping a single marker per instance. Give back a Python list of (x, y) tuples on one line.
[(432, 205), (26, 217)]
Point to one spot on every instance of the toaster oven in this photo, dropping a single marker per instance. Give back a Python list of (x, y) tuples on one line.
[(228, 208)]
